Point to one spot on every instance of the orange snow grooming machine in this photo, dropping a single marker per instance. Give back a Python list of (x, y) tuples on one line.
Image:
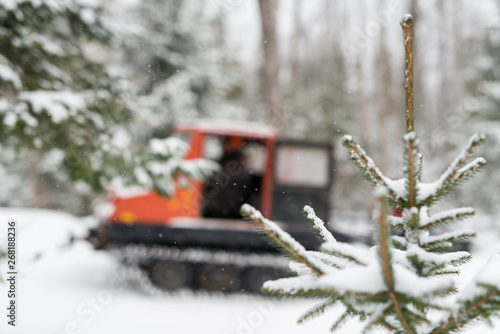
[(196, 238)]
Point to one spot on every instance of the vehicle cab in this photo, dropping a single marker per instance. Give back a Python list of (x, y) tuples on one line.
[(276, 176)]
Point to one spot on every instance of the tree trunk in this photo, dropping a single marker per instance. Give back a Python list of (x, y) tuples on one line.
[(297, 42), (270, 86)]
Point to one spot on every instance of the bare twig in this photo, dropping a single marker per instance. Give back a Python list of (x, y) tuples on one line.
[(407, 24)]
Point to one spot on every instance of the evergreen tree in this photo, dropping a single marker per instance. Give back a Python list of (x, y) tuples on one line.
[(403, 283), (63, 111), (54, 93), (56, 96)]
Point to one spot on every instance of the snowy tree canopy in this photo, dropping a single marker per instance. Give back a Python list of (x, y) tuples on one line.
[(56, 92), (59, 98)]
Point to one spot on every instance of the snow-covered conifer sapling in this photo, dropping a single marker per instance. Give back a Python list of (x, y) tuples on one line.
[(405, 282)]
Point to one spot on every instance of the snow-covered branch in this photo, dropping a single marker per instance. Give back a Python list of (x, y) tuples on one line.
[(369, 169), (458, 171), (288, 245)]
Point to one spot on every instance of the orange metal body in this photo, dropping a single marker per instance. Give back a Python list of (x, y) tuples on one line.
[(152, 209)]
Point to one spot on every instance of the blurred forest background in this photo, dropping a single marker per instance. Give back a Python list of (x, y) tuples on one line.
[(320, 70)]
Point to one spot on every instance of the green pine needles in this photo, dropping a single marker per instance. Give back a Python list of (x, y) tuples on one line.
[(403, 284)]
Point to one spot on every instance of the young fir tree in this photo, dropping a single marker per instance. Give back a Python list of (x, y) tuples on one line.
[(403, 283)]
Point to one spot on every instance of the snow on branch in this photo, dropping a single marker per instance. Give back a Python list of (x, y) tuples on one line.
[(369, 169), (160, 166), (445, 217), (446, 240), (432, 263), (289, 245), (168, 147), (330, 260), (60, 105), (458, 171), (9, 74), (411, 284), (399, 242), (198, 169), (480, 299), (350, 281), (394, 221), (467, 170), (346, 251), (318, 225), (489, 274)]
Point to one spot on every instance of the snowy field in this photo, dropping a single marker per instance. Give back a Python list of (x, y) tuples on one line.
[(73, 289)]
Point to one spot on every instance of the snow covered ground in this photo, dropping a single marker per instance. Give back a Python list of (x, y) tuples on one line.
[(65, 289)]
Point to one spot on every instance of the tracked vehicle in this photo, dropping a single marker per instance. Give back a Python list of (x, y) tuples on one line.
[(191, 240)]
